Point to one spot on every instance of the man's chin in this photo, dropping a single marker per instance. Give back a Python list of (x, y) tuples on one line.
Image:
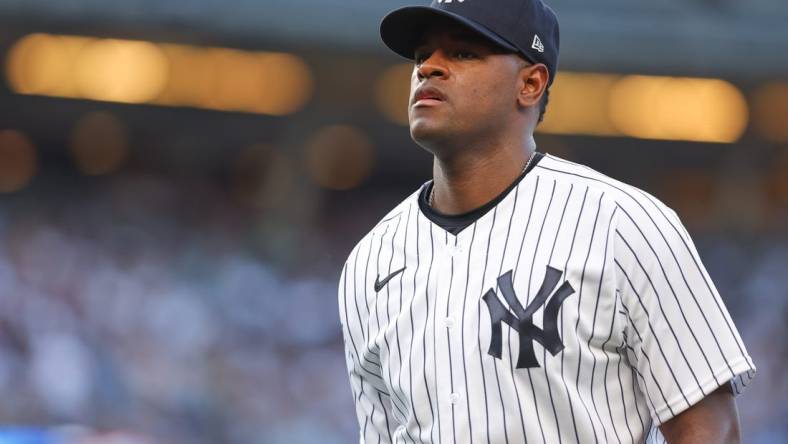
[(425, 132)]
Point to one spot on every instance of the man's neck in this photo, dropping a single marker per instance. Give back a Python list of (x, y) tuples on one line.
[(470, 179)]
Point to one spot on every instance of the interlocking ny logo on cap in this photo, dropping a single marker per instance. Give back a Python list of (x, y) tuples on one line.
[(537, 44)]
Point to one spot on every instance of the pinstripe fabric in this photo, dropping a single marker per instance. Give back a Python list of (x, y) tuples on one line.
[(645, 334)]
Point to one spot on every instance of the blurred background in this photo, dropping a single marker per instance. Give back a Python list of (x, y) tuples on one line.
[(181, 180)]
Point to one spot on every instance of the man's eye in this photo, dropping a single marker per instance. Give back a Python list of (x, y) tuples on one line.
[(464, 55)]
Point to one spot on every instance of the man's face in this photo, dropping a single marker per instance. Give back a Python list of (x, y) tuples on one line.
[(462, 86)]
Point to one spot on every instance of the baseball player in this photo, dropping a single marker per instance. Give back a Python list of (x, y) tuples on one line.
[(519, 297)]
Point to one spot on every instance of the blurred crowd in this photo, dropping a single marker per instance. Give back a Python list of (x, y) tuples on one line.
[(135, 313)]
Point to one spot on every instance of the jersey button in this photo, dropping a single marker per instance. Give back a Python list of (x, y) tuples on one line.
[(454, 398), (448, 322)]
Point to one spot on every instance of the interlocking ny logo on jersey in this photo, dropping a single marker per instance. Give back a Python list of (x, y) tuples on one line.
[(520, 319)]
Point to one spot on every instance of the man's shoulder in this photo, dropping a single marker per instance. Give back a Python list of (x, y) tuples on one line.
[(616, 192), (389, 221)]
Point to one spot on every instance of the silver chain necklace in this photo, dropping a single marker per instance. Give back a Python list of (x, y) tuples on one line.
[(431, 200)]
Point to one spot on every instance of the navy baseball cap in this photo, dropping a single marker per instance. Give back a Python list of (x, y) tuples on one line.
[(526, 27)]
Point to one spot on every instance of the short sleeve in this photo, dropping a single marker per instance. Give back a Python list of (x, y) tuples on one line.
[(684, 342)]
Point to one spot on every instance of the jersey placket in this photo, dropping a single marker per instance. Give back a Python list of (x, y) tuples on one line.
[(452, 261)]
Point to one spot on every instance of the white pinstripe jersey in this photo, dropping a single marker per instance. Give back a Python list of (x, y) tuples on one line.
[(459, 344)]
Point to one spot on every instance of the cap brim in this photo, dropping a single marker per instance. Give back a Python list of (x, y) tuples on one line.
[(402, 30)]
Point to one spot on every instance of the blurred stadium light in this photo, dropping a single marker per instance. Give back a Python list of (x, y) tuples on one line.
[(579, 105), (692, 109), (234, 80), (18, 161), (81, 67), (392, 91), (770, 105), (129, 71)]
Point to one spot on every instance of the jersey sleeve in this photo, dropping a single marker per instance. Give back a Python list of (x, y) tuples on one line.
[(681, 339), (370, 396)]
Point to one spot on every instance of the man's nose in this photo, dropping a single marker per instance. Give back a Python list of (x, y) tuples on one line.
[(433, 66)]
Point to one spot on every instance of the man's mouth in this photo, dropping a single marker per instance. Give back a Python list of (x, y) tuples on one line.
[(428, 96)]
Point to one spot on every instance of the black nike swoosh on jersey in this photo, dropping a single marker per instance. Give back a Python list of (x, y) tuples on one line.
[(380, 284)]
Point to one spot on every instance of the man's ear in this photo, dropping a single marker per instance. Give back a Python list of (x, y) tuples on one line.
[(532, 85)]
